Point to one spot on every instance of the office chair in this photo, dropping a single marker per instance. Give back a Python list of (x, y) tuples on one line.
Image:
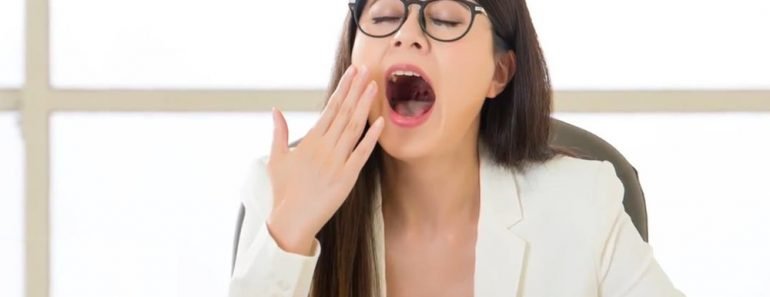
[(584, 145)]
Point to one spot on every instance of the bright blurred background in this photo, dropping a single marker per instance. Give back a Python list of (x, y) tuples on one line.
[(143, 203)]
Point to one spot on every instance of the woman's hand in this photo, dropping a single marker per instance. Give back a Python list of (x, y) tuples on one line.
[(312, 181)]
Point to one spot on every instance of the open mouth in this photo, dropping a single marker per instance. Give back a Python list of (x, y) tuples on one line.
[(409, 94)]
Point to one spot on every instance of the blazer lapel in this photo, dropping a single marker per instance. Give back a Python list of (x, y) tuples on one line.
[(499, 252)]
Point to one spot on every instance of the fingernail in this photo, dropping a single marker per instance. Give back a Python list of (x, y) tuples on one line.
[(273, 112), (370, 90), (351, 70)]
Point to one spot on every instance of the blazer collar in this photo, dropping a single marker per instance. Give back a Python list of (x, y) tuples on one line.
[(499, 193), (499, 251)]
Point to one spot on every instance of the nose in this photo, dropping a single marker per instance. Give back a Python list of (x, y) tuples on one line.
[(410, 34)]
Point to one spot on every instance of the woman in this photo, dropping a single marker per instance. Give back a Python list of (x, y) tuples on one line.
[(429, 173)]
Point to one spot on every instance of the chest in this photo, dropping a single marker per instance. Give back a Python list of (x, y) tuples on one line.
[(430, 269)]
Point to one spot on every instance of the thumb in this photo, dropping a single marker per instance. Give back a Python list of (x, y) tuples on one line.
[(280, 134)]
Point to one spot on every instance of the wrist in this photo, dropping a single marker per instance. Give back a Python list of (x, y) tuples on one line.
[(289, 235)]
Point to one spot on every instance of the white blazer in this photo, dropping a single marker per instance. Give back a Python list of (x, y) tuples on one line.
[(554, 229)]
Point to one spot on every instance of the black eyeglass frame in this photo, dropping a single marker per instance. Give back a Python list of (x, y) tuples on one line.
[(356, 8)]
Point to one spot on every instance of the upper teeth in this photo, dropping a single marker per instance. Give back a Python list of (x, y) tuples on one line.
[(402, 73)]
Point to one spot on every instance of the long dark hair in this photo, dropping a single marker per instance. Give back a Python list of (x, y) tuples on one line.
[(514, 129)]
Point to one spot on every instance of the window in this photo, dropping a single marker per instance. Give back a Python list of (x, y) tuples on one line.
[(655, 44), (145, 203), (11, 207), (11, 56), (592, 44), (232, 44)]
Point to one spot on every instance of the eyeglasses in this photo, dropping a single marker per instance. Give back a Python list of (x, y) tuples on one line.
[(442, 20)]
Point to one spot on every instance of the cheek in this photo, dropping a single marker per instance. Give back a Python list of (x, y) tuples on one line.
[(357, 55), (466, 83), (366, 51), (472, 57), (464, 86)]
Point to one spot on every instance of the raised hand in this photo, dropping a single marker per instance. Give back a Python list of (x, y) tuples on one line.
[(311, 181)]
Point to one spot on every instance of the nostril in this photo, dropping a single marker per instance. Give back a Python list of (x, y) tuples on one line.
[(416, 45)]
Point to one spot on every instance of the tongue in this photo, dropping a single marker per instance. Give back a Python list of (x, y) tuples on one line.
[(412, 108)]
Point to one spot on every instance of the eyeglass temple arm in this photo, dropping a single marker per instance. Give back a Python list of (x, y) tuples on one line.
[(480, 10)]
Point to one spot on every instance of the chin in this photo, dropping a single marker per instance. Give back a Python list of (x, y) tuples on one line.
[(408, 146)]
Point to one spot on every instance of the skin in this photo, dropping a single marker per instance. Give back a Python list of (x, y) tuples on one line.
[(430, 230)]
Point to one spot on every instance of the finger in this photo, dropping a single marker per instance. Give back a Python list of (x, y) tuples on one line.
[(355, 126), (335, 100), (346, 109), (280, 134), (365, 147)]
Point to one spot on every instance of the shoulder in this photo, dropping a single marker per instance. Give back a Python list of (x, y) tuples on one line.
[(256, 191), (567, 174), (581, 195), (257, 169)]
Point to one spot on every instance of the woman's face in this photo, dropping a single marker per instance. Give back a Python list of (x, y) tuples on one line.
[(439, 110)]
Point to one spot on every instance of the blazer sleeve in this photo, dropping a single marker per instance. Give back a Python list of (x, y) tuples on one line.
[(262, 268), (627, 265)]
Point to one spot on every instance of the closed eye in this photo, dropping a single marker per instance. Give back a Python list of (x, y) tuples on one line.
[(385, 19), (440, 22)]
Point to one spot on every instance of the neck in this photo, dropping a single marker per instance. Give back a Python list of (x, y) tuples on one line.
[(434, 192)]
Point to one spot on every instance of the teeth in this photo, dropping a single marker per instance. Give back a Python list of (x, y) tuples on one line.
[(405, 73), (393, 76)]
